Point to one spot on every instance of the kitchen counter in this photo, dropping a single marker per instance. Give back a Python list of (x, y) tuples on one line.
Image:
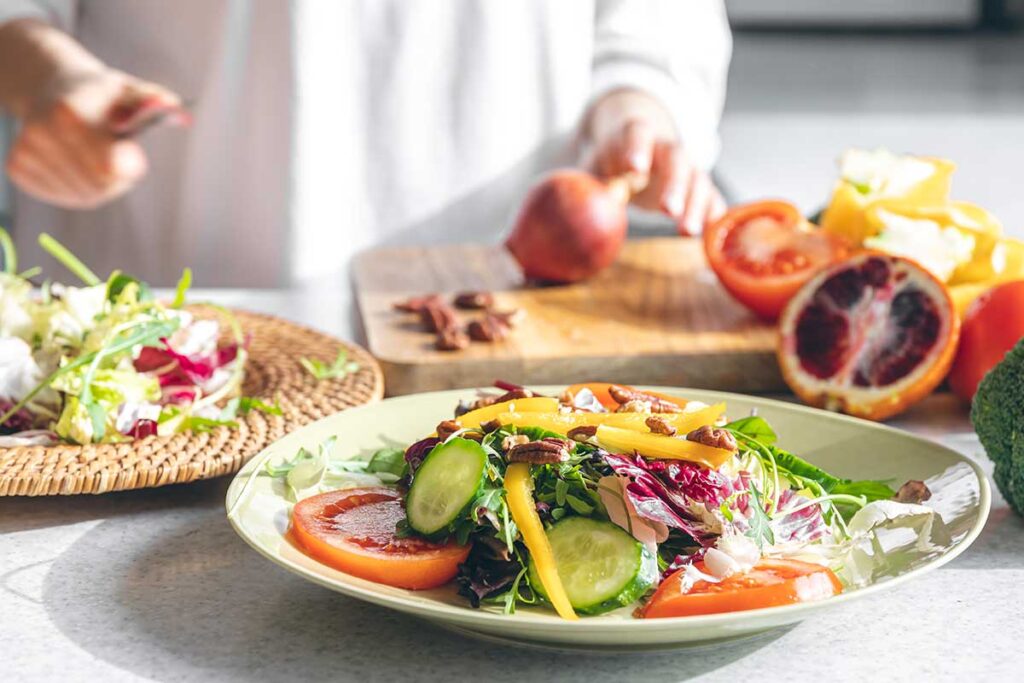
[(154, 585)]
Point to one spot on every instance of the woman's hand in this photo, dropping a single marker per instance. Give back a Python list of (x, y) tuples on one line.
[(630, 133), (71, 150)]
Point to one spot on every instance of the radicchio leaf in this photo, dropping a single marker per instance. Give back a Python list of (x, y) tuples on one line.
[(415, 453), (490, 569), (673, 492)]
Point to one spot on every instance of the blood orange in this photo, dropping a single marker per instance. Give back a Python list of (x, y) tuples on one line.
[(868, 336)]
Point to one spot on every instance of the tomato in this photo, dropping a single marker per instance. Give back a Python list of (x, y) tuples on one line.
[(600, 390), (991, 327), (769, 584), (353, 530), (765, 251)]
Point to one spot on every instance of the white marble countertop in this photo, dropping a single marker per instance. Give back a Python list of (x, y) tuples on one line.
[(154, 585)]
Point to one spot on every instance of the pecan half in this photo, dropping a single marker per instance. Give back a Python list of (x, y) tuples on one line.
[(514, 394), (490, 426), (513, 440), (582, 433), (544, 452), (714, 437), (622, 395), (487, 329), (416, 304), (438, 316), (446, 428), (451, 339), (659, 425), (914, 491), (635, 406), (473, 301)]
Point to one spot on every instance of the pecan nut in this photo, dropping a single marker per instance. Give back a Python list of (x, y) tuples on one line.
[(438, 316), (416, 304), (473, 301), (513, 440), (659, 425), (446, 428), (622, 395), (490, 426), (582, 433), (714, 437), (544, 452), (488, 329), (512, 395), (635, 406), (451, 339), (914, 491)]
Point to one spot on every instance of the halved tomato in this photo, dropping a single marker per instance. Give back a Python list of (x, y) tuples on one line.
[(769, 584), (763, 252), (353, 530)]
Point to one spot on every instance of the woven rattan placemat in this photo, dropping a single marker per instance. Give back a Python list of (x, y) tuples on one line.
[(273, 373)]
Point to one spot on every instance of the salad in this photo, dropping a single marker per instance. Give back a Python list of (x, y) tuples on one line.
[(106, 362), (602, 498)]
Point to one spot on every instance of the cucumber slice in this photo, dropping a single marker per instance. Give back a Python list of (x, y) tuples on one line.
[(601, 566), (446, 483)]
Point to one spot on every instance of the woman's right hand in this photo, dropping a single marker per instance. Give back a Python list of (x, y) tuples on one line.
[(73, 150)]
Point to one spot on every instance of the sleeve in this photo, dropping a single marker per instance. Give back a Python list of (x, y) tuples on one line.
[(675, 50), (59, 13)]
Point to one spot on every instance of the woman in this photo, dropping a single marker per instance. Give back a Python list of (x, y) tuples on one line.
[(324, 128)]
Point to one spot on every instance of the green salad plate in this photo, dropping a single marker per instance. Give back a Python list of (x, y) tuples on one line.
[(845, 446)]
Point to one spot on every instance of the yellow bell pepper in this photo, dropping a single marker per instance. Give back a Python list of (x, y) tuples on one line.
[(650, 445), (563, 422), (867, 177), (536, 404), (519, 490)]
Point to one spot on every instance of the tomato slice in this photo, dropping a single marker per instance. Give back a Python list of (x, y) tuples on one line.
[(353, 530), (765, 251), (769, 584)]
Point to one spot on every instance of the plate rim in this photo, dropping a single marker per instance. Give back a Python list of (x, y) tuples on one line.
[(785, 613)]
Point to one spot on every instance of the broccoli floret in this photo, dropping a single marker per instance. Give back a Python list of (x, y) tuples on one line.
[(998, 417)]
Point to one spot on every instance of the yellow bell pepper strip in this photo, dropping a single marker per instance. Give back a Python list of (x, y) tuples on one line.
[(536, 404), (563, 422), (658, 446), (519, 489), (866, 177)]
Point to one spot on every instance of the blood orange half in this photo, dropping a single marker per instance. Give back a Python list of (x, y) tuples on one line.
[(868, 336)]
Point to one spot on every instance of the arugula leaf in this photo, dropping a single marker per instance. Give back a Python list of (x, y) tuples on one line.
[(9, 251), (242, 405), (206, 424), (118, 282), (754, 427), (340, 368), (870, 490), (390, 460), (183, 284), (760, 526), (68, 260)]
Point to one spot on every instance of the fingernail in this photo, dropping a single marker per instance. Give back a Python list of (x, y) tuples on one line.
[(640, 161), (128, 162), (672, 202)]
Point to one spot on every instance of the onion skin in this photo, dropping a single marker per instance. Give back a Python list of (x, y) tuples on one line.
[(570, 227)]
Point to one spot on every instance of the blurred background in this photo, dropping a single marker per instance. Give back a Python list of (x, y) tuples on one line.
[(810, 78)]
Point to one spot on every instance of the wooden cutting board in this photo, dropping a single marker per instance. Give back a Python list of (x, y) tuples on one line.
[(658, 316)]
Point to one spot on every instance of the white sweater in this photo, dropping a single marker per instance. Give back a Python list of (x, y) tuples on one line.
[(325, 127)]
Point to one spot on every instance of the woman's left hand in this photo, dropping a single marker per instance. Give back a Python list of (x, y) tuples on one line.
[(630, 134)]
